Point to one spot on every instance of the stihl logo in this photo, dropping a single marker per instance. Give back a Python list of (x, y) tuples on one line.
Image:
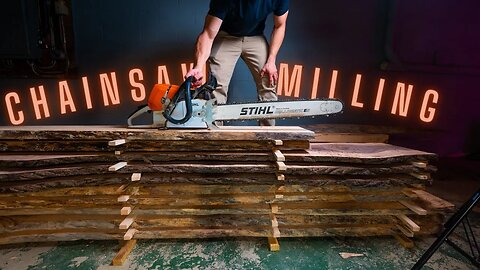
[(257, 110)]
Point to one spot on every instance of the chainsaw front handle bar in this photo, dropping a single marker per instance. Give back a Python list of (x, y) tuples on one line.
[(184, 89)]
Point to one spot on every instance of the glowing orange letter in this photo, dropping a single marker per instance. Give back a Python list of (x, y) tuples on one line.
[(109, 89), (10, 99), (431, 111), (140, 87), (316, 79), (333, 84), (65, 98), (356, 90), (37, 102), (290, 84), (381, 86), (163, 75), (86, 91), (402, 99)]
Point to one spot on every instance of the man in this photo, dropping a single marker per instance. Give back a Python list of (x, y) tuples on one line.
[(233, 29)]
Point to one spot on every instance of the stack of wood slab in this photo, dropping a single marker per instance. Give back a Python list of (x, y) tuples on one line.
[(103, 182)]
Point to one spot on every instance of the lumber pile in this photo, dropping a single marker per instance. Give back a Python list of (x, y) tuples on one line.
[(70, 183)]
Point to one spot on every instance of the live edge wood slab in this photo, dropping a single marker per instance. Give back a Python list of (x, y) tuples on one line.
[(103, 133), (62, 183)]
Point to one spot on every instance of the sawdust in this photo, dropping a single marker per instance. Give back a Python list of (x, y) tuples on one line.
[(247, 252), (77, 261), (20, 258)]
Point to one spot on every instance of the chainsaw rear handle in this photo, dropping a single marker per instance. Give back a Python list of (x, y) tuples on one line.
[(185, 87), (141, 110)]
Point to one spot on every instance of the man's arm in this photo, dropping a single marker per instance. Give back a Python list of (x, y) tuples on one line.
[(203, 47), (278, 34)]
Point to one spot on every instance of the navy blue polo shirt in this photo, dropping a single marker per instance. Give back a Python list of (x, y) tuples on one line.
[(246, 17)]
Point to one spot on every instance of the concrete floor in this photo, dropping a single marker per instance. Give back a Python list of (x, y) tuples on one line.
[(456, 182)]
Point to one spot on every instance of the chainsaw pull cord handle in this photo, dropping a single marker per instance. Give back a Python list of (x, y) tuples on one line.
[(188, 103)]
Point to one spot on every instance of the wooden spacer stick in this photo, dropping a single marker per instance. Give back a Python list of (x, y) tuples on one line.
[(404, 241), (117, 166), (126, 223), (125, 211), (123, 198), (117, 142), (122, 255), (415, 208), (129, 234), (274, 208), (276, 232), (273, 243), (274, 221), (420, 164), (278, 142), (280, 177), (278, 155), (421, 176), (409, 193), (409, 223), (405, 231), (118, 153), (281, 166), (136, 177)]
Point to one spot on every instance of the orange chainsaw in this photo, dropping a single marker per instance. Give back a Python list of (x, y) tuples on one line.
[(181, 107)]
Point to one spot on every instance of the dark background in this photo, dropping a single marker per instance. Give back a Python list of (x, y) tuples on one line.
[(431, 44)]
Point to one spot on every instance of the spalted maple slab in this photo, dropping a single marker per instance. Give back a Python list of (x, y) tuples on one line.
[(357, 181), (191, 190), (201, 210), (17, 146), (197, 167), (355, 170), (354, 129), (195, 233), (264, 232), (90, 181), (326, 154), (142, 222), (32, 236), (57, 222), (117, 132), (214, 167), (431, 201), (38, 160), (332, 231), (368, 153), (124, 178), (346, 133), (70, 227)]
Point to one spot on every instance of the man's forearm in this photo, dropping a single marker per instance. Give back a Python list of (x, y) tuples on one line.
[(204, 44), (202, 50), (278, 34)]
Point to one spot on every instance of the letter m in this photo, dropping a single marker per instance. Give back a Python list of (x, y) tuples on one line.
[(287, 83)]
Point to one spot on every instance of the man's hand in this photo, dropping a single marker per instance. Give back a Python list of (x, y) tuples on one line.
[(270, 70), (197, 74)]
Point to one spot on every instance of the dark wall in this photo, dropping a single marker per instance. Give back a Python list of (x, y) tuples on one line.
[(429, 44)]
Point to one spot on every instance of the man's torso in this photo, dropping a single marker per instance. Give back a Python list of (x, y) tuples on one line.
[(246, 17)]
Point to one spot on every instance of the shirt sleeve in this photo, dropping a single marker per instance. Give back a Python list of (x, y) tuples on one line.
[(281, 7), (218, 8)]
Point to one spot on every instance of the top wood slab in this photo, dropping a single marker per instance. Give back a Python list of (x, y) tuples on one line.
[(119, 132)]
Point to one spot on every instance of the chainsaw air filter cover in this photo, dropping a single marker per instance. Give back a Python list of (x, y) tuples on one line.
[(160, 94)]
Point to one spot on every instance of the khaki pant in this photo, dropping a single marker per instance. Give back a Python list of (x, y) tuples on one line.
[(226, 50)]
